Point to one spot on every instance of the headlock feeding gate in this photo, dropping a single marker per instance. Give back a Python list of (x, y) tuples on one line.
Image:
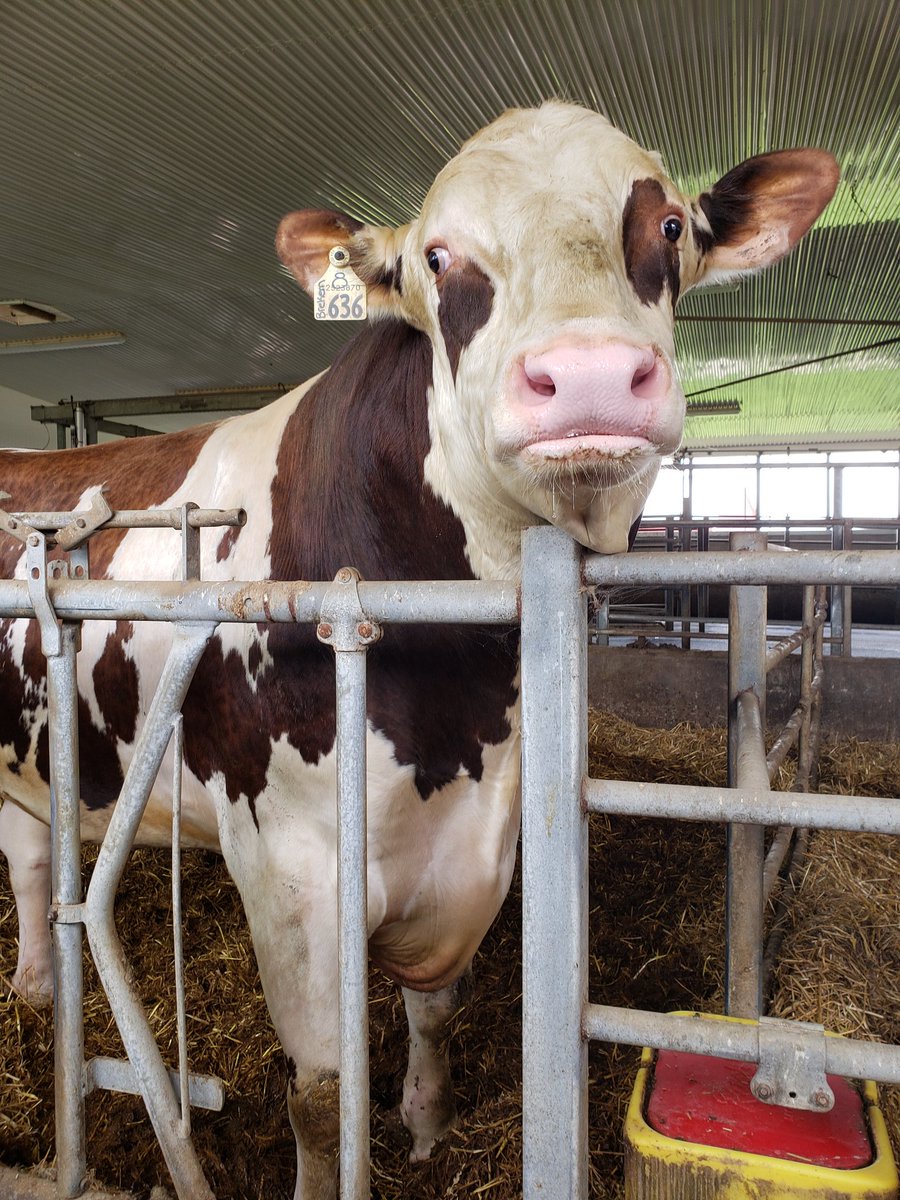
[(557, 796)]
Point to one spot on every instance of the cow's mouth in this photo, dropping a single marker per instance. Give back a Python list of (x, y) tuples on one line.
[(584, 447)]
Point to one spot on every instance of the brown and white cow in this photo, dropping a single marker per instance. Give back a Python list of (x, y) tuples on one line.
[(519, 369)]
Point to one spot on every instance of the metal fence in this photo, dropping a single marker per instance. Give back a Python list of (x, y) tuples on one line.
[(557, 795)]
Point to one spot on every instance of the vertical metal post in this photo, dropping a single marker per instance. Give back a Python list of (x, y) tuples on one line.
[(745, 843), (345, 627), (837, 543), (554, 867), (65, 822), (807, 657), (353, 936)]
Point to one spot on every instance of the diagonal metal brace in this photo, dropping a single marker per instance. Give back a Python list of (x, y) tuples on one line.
[(791, 1070), (343, 624)]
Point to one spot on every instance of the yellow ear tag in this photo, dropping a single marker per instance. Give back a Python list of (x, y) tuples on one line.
[(340, 293)]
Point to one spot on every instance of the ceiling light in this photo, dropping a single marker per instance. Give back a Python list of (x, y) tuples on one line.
[(26, 312), (72, 341), (712, 408)]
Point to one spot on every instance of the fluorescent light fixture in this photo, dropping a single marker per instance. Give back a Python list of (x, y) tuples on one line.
[(72, 341), (712, 408), (27, 312)]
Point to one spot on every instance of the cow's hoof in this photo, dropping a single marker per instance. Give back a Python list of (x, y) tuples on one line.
[(29, 989)]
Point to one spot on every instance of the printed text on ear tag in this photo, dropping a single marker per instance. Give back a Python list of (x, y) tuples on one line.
[(340, 293)]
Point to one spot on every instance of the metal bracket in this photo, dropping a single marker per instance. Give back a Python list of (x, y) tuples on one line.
[(343, 624), (83, 524), (791, 1070), (39, 594)]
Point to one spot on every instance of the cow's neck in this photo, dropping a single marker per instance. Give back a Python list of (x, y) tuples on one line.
[(349, 488)]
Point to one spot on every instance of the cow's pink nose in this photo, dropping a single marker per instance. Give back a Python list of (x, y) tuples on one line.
[(613, 372)]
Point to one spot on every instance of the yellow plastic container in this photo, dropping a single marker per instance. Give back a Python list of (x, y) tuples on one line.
[(659, 1167)]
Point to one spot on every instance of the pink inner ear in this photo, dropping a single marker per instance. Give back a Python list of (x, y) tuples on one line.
[(304, 239)]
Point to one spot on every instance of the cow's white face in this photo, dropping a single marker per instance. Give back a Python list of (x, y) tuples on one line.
[(544, 268)]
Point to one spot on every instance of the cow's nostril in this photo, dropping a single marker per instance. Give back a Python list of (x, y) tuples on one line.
[(644, 380), (542, 384)]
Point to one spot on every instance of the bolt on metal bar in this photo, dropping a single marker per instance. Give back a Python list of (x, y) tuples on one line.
[(188, 645), (554, 868), (686, 802), (877, 568), (745, 844), (728, 1039), (468, 601), (177, 928), (65, 823)]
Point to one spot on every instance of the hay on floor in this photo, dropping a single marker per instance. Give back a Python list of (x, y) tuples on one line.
[(657, 899)]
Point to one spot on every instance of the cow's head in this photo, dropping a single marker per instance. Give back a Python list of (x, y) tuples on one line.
[(544, 267)]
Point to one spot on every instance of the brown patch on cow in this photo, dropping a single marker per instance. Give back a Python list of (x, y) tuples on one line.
[(116, 684), (439, 694), (134, 473), (390, 277), (651, 260), (254, 658), (226, 542), (466, 298)]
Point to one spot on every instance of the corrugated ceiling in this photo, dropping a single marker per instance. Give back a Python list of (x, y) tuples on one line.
[(148, 149)]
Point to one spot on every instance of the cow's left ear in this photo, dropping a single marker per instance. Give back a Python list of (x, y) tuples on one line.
[(305, 238), (762, 208)]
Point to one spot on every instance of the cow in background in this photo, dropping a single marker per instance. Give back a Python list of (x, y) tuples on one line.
[(518, 368)]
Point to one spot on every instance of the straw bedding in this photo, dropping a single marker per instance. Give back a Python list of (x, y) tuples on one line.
[(656, 942)]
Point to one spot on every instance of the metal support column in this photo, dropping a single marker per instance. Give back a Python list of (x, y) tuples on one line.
[(345, 626), (745, 843), (554, 867), (68, 981)]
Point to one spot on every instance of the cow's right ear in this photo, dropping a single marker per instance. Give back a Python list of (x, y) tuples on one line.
[(305, 238)]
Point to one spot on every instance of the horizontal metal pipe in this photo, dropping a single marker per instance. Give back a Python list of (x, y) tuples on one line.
[(727, 1039), (468, 601), (877, 568), (686, 802), (788, 645), (140, 518)]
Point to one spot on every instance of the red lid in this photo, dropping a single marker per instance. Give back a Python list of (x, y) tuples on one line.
[(696, 1098)]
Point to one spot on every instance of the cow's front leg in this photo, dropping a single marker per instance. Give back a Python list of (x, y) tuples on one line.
[(428, 1108), (292, 912), (26, 843)]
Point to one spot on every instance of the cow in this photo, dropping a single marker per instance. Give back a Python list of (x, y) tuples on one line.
[(516, 369)]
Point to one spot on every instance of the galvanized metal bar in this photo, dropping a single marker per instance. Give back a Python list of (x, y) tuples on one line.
[(727, 1039), (469, 601), (188, 645), (778, 852), (782, 649), (139, 518), (118, 1075), (346, 627), (68, 983), (554, 867), (177, 929), (353, 937), (876, 568), (685, 802), (745, 844)]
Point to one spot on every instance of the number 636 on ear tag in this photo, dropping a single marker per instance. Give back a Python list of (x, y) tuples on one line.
[(340, 293)]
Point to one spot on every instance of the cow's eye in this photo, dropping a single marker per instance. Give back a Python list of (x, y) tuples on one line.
[(438, 259), (672, 228)]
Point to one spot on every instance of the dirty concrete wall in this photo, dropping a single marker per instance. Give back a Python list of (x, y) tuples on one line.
[(661, 686)]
